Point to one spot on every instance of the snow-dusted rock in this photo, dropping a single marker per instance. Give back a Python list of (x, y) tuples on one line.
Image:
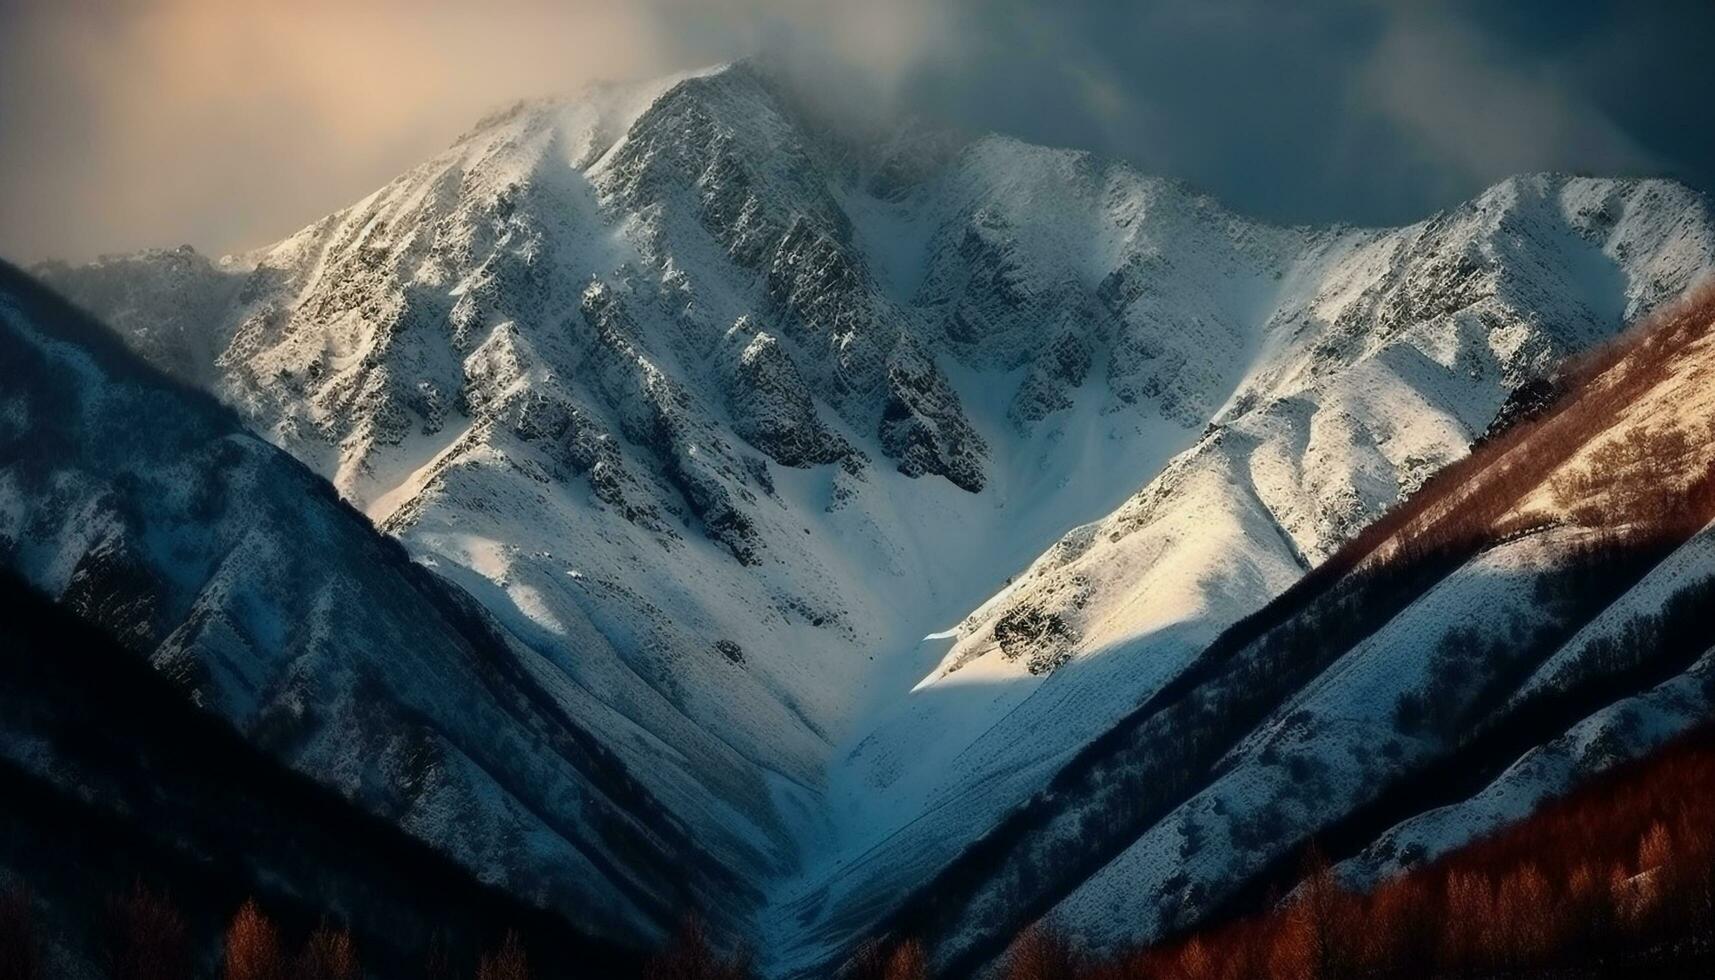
[(148, 509)]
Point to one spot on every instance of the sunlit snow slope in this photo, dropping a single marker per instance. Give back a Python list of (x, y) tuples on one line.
[(1537, 612), (725, 409)]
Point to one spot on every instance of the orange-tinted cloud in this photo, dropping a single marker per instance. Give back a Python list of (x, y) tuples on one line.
[(229, 123)]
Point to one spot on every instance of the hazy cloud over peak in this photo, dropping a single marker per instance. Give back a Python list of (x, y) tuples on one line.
[(228, 123)]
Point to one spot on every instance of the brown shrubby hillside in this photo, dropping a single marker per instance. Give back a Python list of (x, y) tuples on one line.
[(1616, 878)]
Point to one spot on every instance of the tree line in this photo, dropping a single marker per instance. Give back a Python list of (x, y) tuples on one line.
[(1616, 878)]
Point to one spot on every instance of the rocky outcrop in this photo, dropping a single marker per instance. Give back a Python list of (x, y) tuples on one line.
[(771, 406), (922, 425)]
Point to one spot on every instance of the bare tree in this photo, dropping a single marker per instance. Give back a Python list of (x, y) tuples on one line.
[(1042, 952), (329, 954), (253, 946)]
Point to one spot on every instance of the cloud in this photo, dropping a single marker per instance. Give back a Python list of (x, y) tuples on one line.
[(1478, 112), (230, 123)]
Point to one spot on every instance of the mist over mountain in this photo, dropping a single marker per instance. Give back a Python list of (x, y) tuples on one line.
[(227, 126)]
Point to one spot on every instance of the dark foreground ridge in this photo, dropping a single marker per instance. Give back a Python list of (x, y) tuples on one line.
[(151, 791)]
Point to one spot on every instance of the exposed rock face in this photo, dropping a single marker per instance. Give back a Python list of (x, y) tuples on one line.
[(922, 426), (772, 407), (1049, 385), (1043, 637), (679, 364)]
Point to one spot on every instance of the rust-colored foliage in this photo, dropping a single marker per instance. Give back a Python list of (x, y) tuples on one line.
[(1311, 940), (1042, 953), (253, 947), (1463, 504), (876, 960), (1618, 874), (908, 962), (145, 937), (329, 954)]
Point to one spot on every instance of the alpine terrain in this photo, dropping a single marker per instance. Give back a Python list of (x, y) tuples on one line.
[(850, 528)]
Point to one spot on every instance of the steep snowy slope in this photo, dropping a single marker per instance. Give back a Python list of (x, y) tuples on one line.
[(1538, 613), (762, 433), (1387, 355), (147, 509)]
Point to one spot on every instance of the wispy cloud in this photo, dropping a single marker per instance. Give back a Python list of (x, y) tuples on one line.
[(1477, 111), (228, 123)]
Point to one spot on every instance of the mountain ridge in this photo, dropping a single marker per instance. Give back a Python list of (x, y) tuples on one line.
[(149, 511), (816, 467), (115, 781), (1389, 643)]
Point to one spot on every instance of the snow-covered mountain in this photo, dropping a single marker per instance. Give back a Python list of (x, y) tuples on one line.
[(149, 510), (845, 484), (1538, 613)]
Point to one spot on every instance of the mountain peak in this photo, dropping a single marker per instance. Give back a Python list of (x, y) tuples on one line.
[(764, 440)]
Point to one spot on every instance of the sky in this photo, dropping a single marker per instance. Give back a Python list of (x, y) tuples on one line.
[(228, 124)]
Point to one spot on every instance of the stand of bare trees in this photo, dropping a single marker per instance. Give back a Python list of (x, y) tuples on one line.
[(875, 960), (1617, 878)]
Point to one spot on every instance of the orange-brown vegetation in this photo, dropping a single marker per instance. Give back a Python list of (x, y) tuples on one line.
[(1632, 477), (1464, 503), (255, 951), (329, 954), (875, 960), (253, 947), (1617, 877), (163, 818), (1042, 953), (1649, 492), (908, 962), (1160, 754)]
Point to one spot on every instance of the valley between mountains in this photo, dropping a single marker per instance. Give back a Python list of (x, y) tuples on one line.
[(803, 519)]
